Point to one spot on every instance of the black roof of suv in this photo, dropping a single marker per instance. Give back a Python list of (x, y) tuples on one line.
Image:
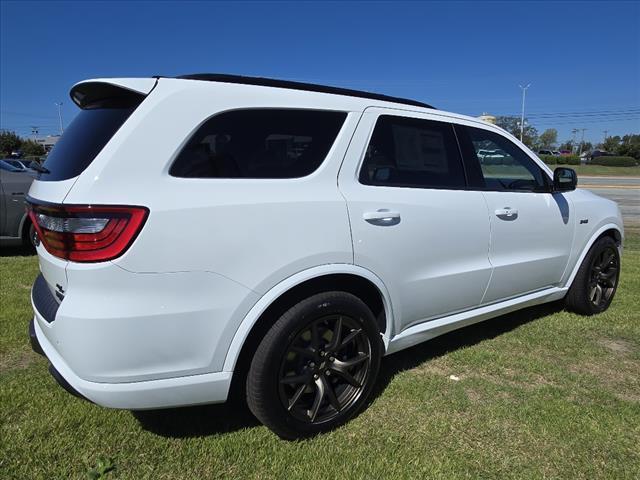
[(311, 87)]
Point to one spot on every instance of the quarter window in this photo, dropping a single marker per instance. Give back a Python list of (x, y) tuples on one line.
[(265, 143), (409, 152), (504, 166)]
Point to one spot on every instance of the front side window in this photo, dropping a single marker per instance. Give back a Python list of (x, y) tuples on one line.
[(260, 143), (504, 166), (410, 152)]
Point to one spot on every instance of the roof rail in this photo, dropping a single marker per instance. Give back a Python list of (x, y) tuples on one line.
[(311, 87)]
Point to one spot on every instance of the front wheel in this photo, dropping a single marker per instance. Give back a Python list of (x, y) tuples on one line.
[(596, 282), (316, 367)]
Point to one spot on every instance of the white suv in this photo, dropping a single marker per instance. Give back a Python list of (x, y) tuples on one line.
[(211, 231)]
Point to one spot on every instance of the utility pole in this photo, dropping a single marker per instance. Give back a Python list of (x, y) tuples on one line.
[(573, 140), (605, 136), (524, 93), (59, 105), (34, 132), (581, 141)]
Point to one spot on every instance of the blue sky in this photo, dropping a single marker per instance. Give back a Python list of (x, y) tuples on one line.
[(581, 58)]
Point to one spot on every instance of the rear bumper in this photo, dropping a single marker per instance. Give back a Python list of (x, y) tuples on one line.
[(170, 392)]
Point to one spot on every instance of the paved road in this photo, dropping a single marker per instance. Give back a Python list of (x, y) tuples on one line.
[(624, 190)]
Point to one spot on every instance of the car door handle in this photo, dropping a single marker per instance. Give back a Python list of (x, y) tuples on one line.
[(382, 217), (507, 213)]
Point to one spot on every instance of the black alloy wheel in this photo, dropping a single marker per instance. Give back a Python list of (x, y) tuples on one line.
[(596, 282), (324, 369), (316, 367), (603, 277)]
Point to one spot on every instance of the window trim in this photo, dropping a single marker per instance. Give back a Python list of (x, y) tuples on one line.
[(404, 115)]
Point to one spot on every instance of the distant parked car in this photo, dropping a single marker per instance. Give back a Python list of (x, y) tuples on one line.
[(32, 164), (545, 152), (5, 165), (565, 153), (15, 225), (19, 164), (556, 153), (601, 153)]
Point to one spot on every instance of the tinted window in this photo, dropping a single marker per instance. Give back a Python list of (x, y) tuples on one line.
[(84, 139), (259, 144), (504, 165), (407, 152)]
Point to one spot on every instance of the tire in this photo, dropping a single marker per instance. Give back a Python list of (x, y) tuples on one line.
[(29, 235), (32, 236), (597, 279), (316, 367)]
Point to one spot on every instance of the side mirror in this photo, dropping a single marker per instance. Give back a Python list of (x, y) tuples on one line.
[(564, 179)]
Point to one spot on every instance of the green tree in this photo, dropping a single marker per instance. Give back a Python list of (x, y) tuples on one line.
[(9, 142), (549, 138), (568, 145), (630, 146), (31, 149), (611, 144), (512, 125), (587, 147)]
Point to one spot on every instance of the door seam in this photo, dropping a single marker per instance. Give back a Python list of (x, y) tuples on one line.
[(486, 289)]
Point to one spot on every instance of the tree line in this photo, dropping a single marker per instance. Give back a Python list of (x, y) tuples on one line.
[(10, 142), (624, 146)]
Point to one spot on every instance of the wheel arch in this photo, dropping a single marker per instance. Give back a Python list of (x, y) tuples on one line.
[(350, 278), (611, 230)]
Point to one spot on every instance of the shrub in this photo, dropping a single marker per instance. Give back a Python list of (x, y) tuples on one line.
[(569, 160), (565, 160), (614, 161)]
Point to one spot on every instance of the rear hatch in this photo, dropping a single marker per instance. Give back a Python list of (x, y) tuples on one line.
[(105, 105)]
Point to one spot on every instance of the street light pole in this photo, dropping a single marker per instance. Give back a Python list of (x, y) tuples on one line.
[(581, 141), (524, 93), (59, 104), (573, 140)]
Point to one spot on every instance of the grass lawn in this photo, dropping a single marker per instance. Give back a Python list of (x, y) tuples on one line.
[(542, 393), (603, 171)]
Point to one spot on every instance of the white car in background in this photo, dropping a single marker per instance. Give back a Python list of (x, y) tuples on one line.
[(208, 232)]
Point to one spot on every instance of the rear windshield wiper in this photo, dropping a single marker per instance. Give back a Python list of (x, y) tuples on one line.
[(39, 168)]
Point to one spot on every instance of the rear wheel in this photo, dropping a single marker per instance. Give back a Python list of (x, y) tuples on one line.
[(316, 367), (29, 235), (596, 282)]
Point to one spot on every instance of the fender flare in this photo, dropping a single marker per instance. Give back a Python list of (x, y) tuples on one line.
[(284, 286), (588, 245)]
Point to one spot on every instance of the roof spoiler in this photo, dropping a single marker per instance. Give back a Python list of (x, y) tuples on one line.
[(111, 92)]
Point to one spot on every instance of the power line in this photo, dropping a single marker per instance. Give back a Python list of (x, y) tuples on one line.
[(591, 113)]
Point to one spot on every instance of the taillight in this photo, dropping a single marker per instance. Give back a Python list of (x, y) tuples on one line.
[(87, 233)]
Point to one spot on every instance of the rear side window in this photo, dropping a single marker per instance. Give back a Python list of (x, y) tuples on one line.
[(87, 135), (260, 143), (408, 152)]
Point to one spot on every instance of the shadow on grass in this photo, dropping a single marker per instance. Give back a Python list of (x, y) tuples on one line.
[(200, 421), (17, 251), (216, 419)]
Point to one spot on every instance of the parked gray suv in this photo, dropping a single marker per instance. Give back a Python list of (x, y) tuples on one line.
[(15, 225)]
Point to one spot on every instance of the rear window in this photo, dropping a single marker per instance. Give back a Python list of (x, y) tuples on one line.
[(85, 138), (259, 143)]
